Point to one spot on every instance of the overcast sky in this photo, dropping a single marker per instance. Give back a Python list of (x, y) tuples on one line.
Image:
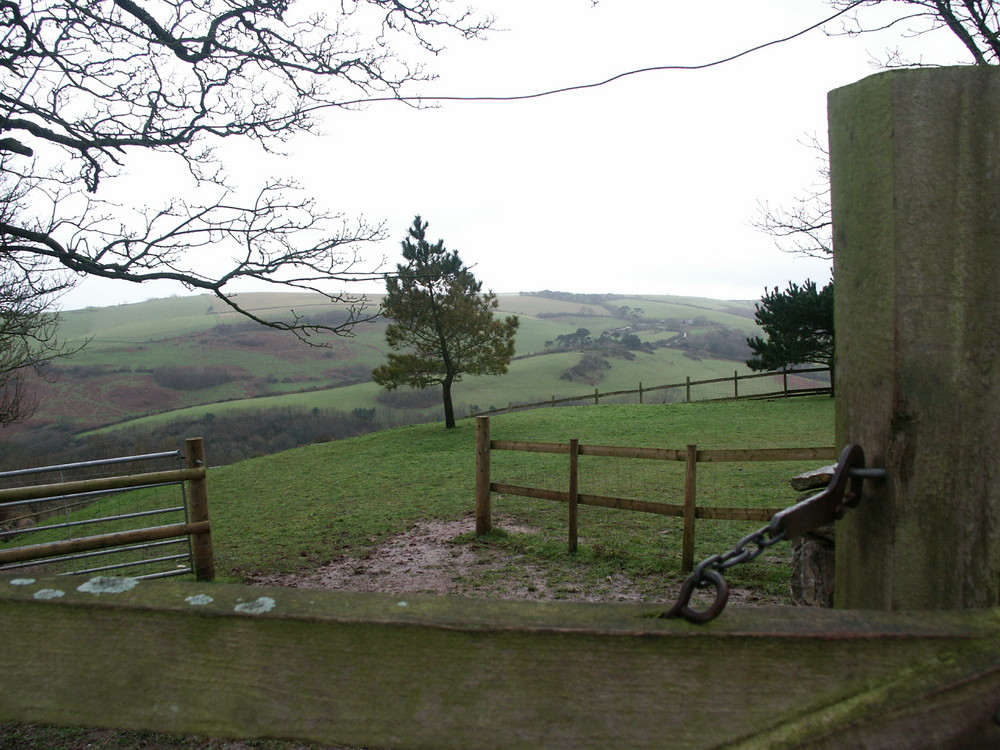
[(648, 185)]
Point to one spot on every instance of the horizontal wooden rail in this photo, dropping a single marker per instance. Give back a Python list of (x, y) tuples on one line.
[(614, 451), (768, 454), (643, 506), (44, 491), (379, 670), (760, 515), (103, 541), (670, 454)]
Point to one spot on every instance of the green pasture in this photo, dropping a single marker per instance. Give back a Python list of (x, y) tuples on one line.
[(296, 510), (529, 380)]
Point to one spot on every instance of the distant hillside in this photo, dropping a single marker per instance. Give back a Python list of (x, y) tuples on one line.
[(179, 359)]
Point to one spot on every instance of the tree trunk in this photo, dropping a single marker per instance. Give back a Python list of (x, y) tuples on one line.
[(449, 409)]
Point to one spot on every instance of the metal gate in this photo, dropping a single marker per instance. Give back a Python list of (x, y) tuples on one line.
[(142, 516)]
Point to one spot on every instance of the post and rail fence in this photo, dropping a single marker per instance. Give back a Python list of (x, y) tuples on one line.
[(38, 500), (688, 510), (779, 383)]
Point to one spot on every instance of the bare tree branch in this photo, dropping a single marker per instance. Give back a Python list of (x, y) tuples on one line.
[(87, 85)]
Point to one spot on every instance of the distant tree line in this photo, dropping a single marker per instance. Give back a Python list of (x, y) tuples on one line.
[(583, 299), (228, 437), (720, 343), (186, 378)]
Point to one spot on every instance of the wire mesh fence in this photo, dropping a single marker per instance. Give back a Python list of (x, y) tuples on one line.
[(737, 489)]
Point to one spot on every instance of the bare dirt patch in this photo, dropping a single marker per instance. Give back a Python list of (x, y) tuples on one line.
[(427, 559)]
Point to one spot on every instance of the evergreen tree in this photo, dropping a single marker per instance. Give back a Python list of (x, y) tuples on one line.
[(442, 323), (798, 323)]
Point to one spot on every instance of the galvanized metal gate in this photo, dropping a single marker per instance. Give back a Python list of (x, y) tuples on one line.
[(95, 517)]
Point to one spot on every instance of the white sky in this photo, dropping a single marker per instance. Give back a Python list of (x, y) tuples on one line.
[(645, 186)]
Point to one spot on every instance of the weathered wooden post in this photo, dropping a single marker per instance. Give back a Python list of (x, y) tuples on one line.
[(690, 494), (484, 518), (202, 555), (574, 493), (915, 168)]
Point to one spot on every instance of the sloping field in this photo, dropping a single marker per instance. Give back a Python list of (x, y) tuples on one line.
[(127, 373)]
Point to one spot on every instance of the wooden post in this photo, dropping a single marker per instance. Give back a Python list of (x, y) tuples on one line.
[(640, 392), (915, 189), (736, 383), (203, 560), (690, 477), (687, 389), (484, 519), (574, 492), (784, 380), (597, 395)]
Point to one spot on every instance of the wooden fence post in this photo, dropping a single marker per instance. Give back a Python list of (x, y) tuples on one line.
[(484, 520), (203, 559), (784, 380), (690, 477), (574, 492), (640, 391), (736, 383), (913, 157), (597, 395), (687, 389)]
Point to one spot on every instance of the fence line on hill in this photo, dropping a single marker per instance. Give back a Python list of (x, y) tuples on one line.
[(688, 510), (783, 383)]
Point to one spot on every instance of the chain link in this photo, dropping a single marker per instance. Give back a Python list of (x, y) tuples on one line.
[(843, 491), (709, 573)]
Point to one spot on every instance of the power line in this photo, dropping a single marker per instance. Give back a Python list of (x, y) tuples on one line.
[(585, 86)]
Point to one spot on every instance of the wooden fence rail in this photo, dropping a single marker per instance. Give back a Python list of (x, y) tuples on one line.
[(688, 510), (197, 527), (687, 385), (382, 670)]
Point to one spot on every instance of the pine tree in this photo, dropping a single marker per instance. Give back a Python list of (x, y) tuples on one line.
[(443, 325), (798, 323)]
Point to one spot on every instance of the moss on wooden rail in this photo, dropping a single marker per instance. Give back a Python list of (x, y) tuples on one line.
[(433, 672)]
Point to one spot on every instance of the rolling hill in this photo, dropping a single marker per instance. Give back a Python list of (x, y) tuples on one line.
[(184, 359)]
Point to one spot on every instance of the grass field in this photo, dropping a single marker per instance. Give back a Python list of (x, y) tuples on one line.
[(297, 510)]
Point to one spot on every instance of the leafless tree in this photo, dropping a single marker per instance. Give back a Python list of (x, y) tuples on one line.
[(28, 335), (87, 86), (976, 23), (805, 228)]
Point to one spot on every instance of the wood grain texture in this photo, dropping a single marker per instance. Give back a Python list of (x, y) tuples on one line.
[(434, 672), (916, 225)]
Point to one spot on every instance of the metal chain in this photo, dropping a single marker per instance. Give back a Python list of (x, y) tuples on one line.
[(843, 492), (709, 573)]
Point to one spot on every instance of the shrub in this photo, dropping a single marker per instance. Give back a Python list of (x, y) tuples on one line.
[(192, 378)]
